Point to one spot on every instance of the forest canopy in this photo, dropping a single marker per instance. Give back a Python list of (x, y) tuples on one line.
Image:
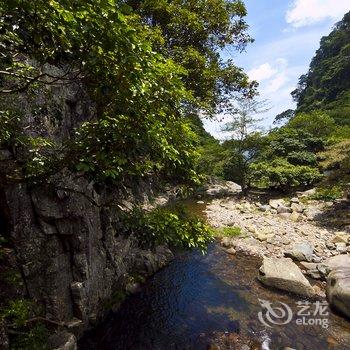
[(148, 66)]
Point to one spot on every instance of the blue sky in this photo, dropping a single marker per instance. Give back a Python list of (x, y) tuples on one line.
[(287, 34)]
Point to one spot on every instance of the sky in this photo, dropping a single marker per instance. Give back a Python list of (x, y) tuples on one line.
[(287, 34)]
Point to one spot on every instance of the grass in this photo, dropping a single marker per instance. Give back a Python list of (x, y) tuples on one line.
[(228, 231)]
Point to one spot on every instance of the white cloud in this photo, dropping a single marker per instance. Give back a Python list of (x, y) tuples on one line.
[(263, 72), (307, 12)]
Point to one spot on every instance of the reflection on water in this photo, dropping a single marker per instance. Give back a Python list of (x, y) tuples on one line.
[(208, 302), (194, 300)]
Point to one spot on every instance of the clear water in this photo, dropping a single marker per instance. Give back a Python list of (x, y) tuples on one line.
[(209, 302)]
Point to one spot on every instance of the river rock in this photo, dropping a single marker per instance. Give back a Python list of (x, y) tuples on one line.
[(338, 289), (307, 193), (284, 274), (264, 208), (301, 252), (296, 207), (231, 251), (222, 188), (283, 209), (295, 216), (337, 261), (341, 247), (226, 242), (340, 237), (312, 213), (275, 203)]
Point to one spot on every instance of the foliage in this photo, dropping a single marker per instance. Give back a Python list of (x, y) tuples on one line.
[(326, 85), (280, 174), (16, 315), (244, 140), (9, 129), (316, 123), (17, 312), (284, 117), (228, 231), (328, 193), (145, 65), (173, 227), (192, 33)]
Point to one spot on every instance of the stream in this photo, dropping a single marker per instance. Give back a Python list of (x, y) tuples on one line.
[(212, 302)]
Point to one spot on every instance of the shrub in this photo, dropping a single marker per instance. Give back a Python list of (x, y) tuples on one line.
[(174, 227), (280, 174), (328, 193)]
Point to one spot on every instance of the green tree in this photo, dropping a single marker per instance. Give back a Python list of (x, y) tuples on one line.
[(133, 62), (245, 140), (326, 85), (193, 33)]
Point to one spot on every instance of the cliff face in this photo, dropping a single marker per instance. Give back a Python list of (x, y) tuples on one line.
[(66, 238), (68, 248)]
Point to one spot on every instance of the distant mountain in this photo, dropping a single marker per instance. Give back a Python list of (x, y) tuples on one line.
[(326, 86)]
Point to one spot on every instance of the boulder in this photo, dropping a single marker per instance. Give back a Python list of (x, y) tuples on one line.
[(275, 203), (312, 213), (307, 193), (264, 208), (283, 209), (301, 252), (299, 208), (222, 188), (334, 262), (284, 274), (338, 289)]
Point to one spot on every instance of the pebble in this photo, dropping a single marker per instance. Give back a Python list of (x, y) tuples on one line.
[(273, 234)]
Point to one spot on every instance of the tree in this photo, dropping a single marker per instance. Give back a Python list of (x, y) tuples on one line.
[(245, 140), (316, 123), (284, 117), (193, 33), (326, 86), (143, 65)]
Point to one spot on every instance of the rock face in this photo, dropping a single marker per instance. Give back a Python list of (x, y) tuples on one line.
[(338, 289), (66, 232), (70, 246), (282, 273)]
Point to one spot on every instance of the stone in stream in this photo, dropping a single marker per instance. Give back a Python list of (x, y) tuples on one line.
[(284, 274), (338, 289), (231, 251), (301, 252)]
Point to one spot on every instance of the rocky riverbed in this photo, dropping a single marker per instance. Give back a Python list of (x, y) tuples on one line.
[(294, 236)]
